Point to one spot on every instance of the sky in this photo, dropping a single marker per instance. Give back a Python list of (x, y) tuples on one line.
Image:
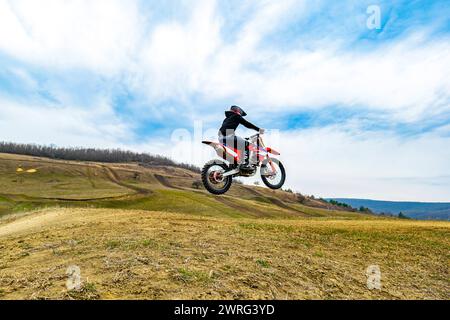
[(358, 106)]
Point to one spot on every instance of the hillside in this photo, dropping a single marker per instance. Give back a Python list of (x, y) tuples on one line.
[(416, 210), (133, 186), (147, 233)]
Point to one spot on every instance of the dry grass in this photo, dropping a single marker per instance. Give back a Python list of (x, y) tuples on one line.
[(56, 179), (158, 238), (134, 254)]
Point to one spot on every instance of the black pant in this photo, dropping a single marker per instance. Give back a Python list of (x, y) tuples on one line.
[(237, 143)]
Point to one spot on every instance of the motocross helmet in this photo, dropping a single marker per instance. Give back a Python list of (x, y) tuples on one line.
[(238, 110)]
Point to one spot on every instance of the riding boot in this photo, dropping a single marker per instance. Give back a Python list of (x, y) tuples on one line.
[(246, 164)]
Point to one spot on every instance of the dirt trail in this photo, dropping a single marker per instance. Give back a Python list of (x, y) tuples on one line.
[(252, 191), (230, 203), (32, 221), (272, 200), (114, 177), (23, 197), (89, 176), (165, 182)]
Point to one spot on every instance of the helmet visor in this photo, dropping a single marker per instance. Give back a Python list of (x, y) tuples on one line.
[(238, 110)]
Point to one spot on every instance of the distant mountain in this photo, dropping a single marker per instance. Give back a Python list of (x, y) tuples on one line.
[(416, 210)]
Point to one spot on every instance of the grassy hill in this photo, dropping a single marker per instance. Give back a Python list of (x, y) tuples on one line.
[(146, 233), (133, 186)]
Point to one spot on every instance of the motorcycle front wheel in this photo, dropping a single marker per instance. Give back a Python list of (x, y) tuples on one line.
[(273, 179), (212, 178)]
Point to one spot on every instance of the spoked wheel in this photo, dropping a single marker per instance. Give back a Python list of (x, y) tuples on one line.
[(212, 177), (273, 174)]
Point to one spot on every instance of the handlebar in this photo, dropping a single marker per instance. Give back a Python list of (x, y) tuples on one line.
[(253, 136), (256, 135)]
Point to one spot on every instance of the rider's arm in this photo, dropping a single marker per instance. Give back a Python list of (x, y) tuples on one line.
[(247, 124)]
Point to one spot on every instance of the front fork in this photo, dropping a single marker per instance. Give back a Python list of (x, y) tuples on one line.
[(274, 170), (270, 162)]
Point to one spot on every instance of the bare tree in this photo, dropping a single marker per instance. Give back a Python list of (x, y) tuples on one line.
[(92, 154)]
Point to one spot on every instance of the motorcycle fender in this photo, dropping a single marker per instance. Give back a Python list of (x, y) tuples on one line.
[(217, 147), (270, 150)]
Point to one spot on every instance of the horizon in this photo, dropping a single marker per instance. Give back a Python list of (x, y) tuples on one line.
[(378, 200), (355, 95)]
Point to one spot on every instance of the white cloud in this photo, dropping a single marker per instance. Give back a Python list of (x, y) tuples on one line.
[(175, 56), (64, 126), (175, 60), (100, 35), (407, 78), (335, 162)]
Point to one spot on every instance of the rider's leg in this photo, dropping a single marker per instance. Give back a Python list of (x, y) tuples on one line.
[(239, 144), (252, 154), (231, 142), (242, 146)]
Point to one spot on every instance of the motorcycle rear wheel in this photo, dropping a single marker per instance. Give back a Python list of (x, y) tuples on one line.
[(211, 177)]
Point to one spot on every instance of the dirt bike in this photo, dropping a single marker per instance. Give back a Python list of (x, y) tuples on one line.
[(217, 174)]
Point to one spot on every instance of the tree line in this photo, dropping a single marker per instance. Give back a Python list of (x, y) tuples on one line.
[(363, 209), (344, 205), (91, 154)]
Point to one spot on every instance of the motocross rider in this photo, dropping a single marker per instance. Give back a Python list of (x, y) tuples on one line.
[(233, 118)]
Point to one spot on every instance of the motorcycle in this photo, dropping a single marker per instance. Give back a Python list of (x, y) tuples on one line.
[(218, 174)]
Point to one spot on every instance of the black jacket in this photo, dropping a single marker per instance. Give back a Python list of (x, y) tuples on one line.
[(232, 121)]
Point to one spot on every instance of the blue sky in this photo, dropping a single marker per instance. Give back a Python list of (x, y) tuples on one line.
[(365, 111)]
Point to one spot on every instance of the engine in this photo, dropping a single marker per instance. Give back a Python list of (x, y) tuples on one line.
[(248, 172)]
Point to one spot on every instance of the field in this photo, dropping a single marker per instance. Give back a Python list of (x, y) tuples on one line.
[(146, 233)]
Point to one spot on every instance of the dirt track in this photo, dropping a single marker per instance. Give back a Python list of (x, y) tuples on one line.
[(165, 182), (114, 177), (33, 221)]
